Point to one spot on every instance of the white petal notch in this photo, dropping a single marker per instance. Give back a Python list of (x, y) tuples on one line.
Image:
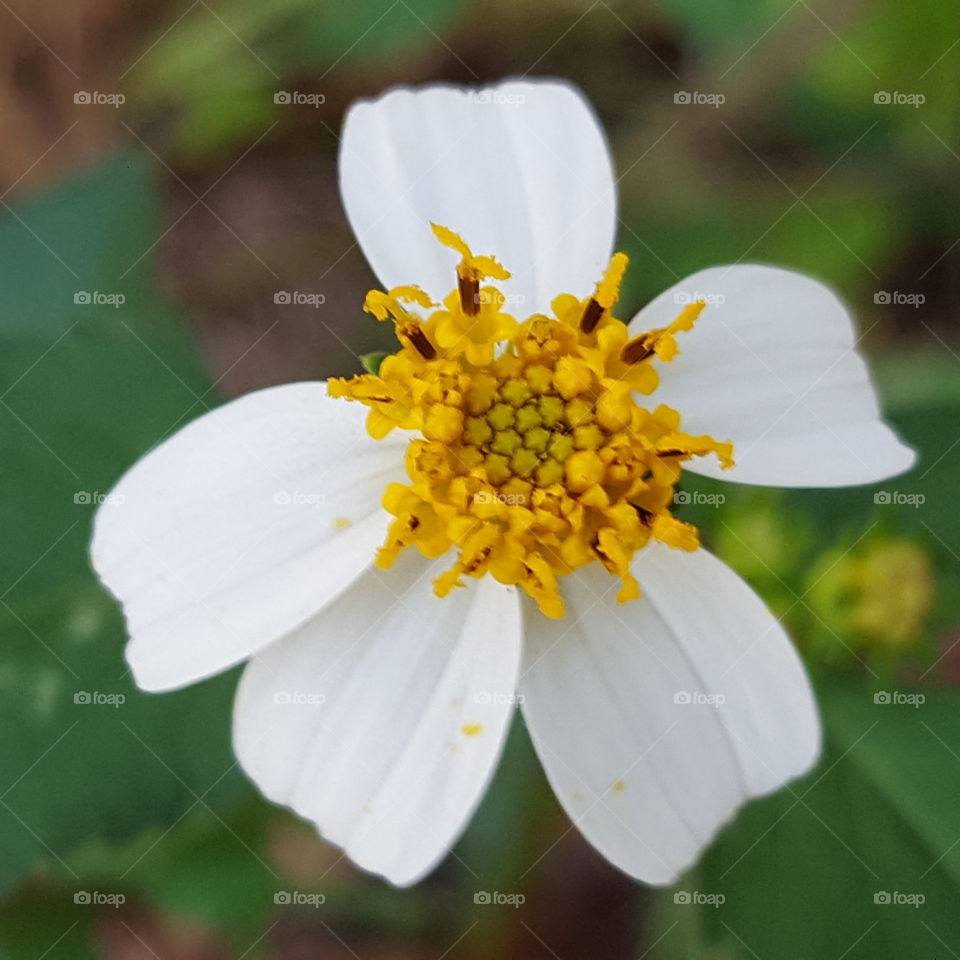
[(772, 365), (240, 527), (521, 170), (656, 720), (382, 720)]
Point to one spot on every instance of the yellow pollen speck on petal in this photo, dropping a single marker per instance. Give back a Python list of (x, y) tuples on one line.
[(341, 523), (531, 454), (618, 786), (471, 729)]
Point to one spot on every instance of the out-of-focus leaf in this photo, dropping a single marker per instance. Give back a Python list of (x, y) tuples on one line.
[(731, 22), (221, 70), (89, 383), (46, 923), (830, 237), (860, 859)]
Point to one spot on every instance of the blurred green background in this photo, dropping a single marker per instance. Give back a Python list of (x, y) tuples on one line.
[(141, 245)]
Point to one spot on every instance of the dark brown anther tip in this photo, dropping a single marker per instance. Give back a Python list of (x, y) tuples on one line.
[(636, 350), (469, 288), (421, 344), (646, 516), (591, 316)]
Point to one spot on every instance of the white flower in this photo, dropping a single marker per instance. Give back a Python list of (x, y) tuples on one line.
[(375, 708)]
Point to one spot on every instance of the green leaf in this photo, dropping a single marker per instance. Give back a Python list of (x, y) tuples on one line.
[(371, 361), (87, 388), (859, 859), (222, 71)]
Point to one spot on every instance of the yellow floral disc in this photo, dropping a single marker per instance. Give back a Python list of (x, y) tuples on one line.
[(532, 456)]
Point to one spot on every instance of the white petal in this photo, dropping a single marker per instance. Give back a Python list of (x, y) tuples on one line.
[(383, 718), (647, 777), (774, 368), (521, 170), (240, 527)]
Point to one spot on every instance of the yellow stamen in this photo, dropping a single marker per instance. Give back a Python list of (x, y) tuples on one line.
[(606, 293), (533, 457)]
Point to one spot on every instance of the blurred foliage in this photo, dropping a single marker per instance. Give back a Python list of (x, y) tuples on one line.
[(801, 167), (84, 753), (225, 65)]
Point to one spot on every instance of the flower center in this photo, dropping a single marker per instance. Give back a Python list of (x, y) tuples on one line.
[(534, 457)]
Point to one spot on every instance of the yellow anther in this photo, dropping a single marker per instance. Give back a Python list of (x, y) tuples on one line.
[(661, 342), (605, 295), (608, 289)]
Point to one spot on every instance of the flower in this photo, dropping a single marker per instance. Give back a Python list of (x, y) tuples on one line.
[(525, 549)]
